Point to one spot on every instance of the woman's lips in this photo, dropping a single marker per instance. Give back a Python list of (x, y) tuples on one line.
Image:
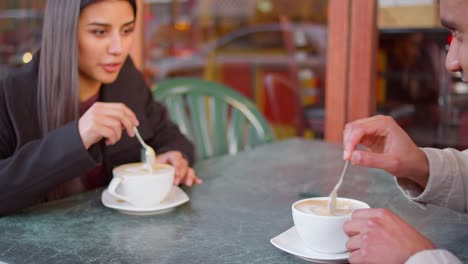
[(111, 67)]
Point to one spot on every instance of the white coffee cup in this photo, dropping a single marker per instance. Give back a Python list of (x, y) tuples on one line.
[(137, 184), (319, 230)]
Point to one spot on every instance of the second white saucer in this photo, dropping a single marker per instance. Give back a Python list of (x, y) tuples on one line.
[(289, 241), (175, 198)]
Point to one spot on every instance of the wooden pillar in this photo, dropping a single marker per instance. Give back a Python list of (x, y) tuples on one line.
[(337, 69), (137, 49), (352, 37), (362, 70), (175, 11)]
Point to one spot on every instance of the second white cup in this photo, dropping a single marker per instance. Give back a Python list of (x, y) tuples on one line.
[(136, 184)]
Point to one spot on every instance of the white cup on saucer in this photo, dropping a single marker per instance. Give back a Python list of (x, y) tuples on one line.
[(320, 231), (137, 184)]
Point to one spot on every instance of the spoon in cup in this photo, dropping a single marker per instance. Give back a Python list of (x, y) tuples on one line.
[(332, 196), (150, 154)]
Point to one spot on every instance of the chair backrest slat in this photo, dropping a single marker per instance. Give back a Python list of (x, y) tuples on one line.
[(176, 108), (216, 118), (219, 110), (236, 132), (199, 117), (252, 139)]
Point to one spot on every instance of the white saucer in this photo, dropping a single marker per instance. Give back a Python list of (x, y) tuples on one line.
[(289, 241), (175, 197)]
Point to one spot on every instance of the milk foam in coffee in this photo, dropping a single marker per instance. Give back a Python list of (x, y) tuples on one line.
[(320, 207), (140, 169)]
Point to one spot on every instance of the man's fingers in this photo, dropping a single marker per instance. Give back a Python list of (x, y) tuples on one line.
[(356, 257), (354, 243), (356, 132), (370, 213), (374, 160), (355, 226), (353, 136)]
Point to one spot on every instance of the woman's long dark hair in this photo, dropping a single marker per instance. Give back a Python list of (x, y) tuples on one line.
[(58, 91)]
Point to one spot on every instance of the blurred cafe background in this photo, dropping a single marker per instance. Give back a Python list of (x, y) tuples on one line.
[(278, 54)]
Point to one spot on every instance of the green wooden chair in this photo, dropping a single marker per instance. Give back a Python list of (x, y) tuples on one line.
[(216, 118)]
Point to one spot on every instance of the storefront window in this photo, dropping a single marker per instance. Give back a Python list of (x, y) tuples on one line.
[(236, 42), (240, 43), (20, 32)]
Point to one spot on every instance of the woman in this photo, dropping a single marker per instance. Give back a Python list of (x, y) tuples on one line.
[(85, 91)]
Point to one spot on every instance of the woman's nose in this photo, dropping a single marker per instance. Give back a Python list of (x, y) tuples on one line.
[(115, 46)]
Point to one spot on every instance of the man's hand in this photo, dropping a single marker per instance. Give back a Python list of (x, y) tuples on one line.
[(388, 148), (380, 236)]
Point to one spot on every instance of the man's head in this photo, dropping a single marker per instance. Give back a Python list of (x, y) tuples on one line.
[(453, 16)]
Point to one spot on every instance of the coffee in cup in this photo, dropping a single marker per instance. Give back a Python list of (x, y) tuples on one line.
[(320, 207), (139, 185), (319, 230)]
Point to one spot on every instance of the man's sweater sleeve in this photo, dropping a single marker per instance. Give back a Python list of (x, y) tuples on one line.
[(436, 256), (448, 180)]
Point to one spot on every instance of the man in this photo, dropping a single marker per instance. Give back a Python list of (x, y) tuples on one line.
[(425, 175)]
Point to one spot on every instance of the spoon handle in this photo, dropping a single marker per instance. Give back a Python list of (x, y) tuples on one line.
[(150, 155), (333, 194), (139, 137), (343, 172)]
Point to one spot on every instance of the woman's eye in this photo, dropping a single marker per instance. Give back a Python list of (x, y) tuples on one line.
[(127, 31), (98, 32)]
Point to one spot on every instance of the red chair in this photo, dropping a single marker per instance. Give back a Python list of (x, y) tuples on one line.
[(284, 108)]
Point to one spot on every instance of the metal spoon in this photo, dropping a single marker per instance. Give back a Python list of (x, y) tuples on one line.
[(150, 154), (332, 196)]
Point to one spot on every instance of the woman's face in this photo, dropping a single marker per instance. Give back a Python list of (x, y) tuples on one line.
[(105, 34)]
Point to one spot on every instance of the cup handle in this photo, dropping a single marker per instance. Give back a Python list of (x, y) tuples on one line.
[(113, 186)]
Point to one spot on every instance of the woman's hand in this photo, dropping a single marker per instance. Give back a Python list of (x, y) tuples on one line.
[(388, 148), (183, 173), (106, 120), (380, 236)]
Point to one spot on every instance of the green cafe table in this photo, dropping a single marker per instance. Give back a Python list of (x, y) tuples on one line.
[(244, 202)]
